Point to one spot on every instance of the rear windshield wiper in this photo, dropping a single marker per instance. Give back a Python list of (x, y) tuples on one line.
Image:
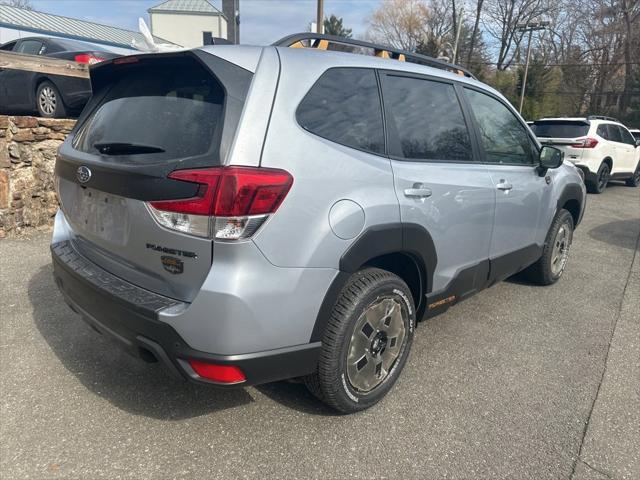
[(121, 148)]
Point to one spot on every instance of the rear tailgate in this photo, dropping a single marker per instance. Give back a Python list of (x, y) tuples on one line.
[(570, 147), (149, 116), (566, 135)]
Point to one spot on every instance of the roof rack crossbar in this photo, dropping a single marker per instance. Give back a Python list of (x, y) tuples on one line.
[(602, 117), (322, 41)]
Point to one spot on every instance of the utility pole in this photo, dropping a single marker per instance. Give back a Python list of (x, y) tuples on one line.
[(528, 27), (320, 17), (455, 45)]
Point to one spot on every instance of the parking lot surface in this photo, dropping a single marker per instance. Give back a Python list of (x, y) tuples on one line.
[(517, 382)]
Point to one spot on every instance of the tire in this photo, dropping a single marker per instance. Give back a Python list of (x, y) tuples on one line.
[(49, 101), (550, 266), (598, 184), (634, 181), (360, 360)]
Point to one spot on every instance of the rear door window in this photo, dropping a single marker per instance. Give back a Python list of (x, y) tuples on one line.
[(162, 111), (614, 133), (425, 120), (560, 129), (603, 131), (344, 106)]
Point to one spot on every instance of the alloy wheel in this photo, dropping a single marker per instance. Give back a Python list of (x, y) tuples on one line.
[(376, 343), (47, 100), (560, 251), (603, 178)]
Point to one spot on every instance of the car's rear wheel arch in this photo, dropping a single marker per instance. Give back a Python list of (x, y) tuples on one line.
[(407, 250), (409, 268), (608, 161)]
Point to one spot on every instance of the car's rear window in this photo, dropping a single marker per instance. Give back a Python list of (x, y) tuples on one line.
[(560, 129), (157, 112)]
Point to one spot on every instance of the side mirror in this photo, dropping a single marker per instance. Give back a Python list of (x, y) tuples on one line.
[(550, 157), (638, 143)]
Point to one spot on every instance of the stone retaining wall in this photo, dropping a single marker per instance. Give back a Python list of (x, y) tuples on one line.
[(28, 147)]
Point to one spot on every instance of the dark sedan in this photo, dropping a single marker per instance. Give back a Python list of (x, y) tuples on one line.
[(56, 96)]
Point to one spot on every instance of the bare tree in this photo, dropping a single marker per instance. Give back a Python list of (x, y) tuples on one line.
[(24, 4), (400, 23), (474, 33), (630, 12), (501, 18), (423, 25)]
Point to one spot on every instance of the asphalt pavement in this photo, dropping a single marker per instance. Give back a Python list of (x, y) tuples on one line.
[(517, 382)]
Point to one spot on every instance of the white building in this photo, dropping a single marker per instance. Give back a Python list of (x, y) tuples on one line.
[(190, 23)]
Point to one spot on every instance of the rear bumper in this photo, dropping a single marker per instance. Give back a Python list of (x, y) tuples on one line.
[(129, 315)]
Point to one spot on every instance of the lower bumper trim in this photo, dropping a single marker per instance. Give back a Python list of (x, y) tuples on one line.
[(136, 328)]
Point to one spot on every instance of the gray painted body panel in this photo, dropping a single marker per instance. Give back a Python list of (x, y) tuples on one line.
[(458, 214), (247, 304), (245, 56), (247, 146), (560, 179), (517, 210)]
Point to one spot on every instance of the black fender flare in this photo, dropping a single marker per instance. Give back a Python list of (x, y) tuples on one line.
[(572, 191), (409, 238)]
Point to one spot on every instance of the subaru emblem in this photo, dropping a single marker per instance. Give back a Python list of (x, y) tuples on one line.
[(83, 174)]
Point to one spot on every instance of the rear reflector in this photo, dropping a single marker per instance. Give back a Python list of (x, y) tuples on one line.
[(125, 60), (235, 201), (228, 374), (586, 143)]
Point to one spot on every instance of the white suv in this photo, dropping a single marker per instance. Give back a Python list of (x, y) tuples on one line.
[(601, 147)]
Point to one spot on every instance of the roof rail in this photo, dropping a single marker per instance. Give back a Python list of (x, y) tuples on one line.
[(602, 117), (322, 41)]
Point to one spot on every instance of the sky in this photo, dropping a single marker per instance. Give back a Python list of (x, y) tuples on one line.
[(261, 21)]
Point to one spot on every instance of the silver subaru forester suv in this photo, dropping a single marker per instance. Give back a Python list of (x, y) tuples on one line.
[(251, 214)]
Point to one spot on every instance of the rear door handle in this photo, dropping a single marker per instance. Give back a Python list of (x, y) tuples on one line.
[(504, 186), (417, 191)]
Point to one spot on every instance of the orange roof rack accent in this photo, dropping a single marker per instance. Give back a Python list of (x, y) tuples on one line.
[(323, 42)]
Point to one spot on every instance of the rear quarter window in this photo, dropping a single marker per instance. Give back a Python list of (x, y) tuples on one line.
[(344, 106), (173, 110), (560, 129)]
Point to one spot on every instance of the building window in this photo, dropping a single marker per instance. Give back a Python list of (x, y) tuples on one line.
[(207, 38)]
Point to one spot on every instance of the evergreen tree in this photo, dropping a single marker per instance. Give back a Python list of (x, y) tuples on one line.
[(333, 26)]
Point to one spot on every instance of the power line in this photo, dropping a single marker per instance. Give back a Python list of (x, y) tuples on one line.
[(559, 64), (588, 93)]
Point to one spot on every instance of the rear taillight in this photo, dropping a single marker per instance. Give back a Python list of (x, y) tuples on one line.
[(231, 203), (586, 143), (88, 58), (228, 374)]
